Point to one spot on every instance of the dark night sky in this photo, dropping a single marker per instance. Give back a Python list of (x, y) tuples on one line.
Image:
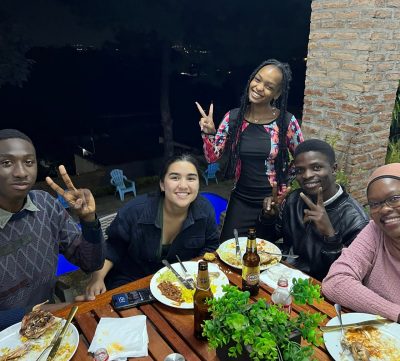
[(102, 90)]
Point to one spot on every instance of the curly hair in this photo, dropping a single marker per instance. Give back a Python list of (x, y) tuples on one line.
[(282, 159)]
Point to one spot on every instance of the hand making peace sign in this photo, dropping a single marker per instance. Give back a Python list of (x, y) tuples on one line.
[(317, 214), (81, 200), (272, 204), (206, 121)]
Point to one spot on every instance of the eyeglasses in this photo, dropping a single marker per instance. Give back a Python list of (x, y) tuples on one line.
[(392, 202)]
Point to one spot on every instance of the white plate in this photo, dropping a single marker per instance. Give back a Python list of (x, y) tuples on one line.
[(227, 251), (390, 333), (11, 339), (272, 275), (192, 268)]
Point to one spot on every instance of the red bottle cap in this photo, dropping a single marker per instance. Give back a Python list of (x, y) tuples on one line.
[(101, 355)]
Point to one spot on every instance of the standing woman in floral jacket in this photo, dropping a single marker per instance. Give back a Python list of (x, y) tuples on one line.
[(257, 136)]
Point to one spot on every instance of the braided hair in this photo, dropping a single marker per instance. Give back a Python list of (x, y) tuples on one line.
[(282, 159)]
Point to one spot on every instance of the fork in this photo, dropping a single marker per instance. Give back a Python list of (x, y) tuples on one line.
[(280, 254), (186, 276), (182, 280), (343, 341), (53, 341)]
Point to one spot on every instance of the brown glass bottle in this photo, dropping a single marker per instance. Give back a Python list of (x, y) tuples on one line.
[(203, 291), (251, 265)]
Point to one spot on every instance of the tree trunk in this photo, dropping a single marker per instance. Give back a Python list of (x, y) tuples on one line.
[(166, 119)]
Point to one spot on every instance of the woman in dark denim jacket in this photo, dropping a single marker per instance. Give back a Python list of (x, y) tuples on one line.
[(174, 221)]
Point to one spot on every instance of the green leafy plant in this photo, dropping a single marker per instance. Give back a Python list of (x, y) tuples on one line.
[(393, 152), (264, 330)]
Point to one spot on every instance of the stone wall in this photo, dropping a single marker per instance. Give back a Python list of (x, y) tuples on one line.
[(353, 71)]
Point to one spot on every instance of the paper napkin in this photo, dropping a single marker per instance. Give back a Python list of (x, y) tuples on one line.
[(271, 275), (122, 337)]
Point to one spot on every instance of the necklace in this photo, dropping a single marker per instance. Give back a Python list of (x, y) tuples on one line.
[(267, 119)]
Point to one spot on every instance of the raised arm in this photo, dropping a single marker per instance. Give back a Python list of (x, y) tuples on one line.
[(214, 141), (81, 200), (84, 248)]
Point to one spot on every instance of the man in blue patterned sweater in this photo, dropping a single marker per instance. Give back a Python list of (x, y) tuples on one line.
[(35, 228)]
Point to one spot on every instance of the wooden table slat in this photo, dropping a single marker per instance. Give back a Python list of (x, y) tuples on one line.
[(87, 323), (81, 353), (169, 334)]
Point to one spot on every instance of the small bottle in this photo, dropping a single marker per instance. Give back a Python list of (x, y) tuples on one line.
[(251, 265), (203, 291), (100, 355), (281, 296)]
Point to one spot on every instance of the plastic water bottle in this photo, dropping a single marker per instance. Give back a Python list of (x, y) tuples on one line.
[(281, 296)]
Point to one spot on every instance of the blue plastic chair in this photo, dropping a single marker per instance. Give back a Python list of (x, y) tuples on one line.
[(210, 172), (63, 202), (219, 203), (121, 183)]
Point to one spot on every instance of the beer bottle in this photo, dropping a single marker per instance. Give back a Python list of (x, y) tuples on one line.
[(251, 265), (202, 292)]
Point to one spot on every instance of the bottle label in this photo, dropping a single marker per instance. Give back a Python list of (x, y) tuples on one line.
[(251, 275)]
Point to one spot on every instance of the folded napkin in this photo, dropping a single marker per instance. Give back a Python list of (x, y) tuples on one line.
[(271, 275), (122, 337)]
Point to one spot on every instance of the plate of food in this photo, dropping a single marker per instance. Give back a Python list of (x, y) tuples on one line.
[(25, 341), (166, 288), (371, 343), (227, 253)]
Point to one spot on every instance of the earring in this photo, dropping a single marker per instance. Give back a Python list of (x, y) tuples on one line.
[(274, 110)]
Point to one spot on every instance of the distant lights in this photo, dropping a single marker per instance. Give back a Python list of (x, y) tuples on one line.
[(305, 59)]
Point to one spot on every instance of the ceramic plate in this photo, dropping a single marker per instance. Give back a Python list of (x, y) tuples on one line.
[(386, 339), (217, 281), (227, 252), (10, 339)]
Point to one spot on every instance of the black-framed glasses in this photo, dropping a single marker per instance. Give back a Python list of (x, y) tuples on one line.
[(392, 202)]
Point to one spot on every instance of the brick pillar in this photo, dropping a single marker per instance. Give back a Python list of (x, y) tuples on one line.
[(353, 71)]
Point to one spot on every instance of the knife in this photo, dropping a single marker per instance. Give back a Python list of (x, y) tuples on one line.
[(379, 321), (57, 343), (178, 276), (238, 252)]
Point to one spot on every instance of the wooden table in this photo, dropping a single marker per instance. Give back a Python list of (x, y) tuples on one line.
[(170, 330)]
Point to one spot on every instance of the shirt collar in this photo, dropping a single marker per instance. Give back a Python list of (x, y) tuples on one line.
[(335, 196), (5, 215)]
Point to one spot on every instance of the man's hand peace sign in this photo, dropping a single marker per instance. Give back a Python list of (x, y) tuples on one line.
[(317, 214), (206, 121), (81, 200)]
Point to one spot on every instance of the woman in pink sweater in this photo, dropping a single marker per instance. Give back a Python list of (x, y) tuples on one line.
[(366, 277)]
